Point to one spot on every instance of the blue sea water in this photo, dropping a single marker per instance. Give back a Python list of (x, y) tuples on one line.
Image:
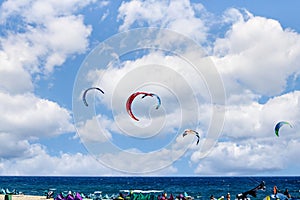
[(198, 187)]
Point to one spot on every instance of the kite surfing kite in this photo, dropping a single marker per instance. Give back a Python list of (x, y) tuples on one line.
[(158, 99), (279, 125), (132, 97), (252, 192), (84, 94), (189, 131)]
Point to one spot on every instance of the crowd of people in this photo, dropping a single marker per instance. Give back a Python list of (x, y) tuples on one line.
[(275, 193), (221, 198), (286, 192)]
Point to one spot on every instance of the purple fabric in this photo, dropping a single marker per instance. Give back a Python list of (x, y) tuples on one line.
[(70, 197), (78, 196), (60, 197)]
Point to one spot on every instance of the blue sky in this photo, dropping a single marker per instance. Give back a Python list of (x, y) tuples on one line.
[(230, 71)]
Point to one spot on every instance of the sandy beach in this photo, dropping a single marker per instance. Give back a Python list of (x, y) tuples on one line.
[(24, 197)]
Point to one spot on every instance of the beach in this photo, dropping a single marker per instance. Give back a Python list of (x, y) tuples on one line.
[(24, 197)]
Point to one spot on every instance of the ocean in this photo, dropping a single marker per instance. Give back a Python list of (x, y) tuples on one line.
[(198, 187)]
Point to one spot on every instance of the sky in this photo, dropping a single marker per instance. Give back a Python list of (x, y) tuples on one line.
[(226, 69)]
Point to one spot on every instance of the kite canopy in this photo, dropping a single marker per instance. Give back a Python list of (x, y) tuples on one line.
[(190, 131), (252, 192), (279, 125), (158, 99), (85, 92), (132, 97)]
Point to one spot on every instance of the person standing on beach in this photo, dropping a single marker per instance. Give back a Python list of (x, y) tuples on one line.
[(228, 196), (275, 190), (287, 194)]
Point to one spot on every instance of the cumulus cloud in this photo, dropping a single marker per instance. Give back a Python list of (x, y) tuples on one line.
[(178, 84), (36, 37), (250, 145), (38, 11), (164, 14), (27, 116), (256, 59), (95, 129), (41, 48), (41, 163), (259, 55), (248, 158), (133, 161), (13, 147), (45, 39), (10, 70)]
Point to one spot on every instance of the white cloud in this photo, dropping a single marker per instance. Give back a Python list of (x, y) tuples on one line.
[(64, 164), (132, 161), (180, 16), (26, 116), (258, 120), (255, 59), (38, 11), (248, 158), (40, 49), (104, 3), (13, 147), (37, 36), (10, 71), (105, 15), (283, 107), (171, 72), (60, 40), (95, 129), (233, 15), (47, 35), (250, 145), (259, 55), (41, 163), (179, 86)]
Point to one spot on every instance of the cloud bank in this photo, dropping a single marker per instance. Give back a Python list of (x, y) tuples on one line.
[(256, 57)]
